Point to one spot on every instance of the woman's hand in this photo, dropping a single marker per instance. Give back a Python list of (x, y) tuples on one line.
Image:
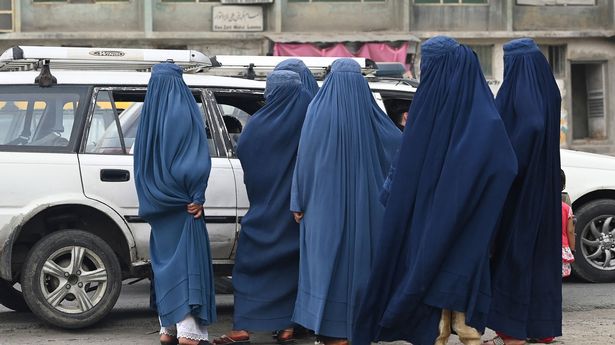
[(298, 216), (195, 209)]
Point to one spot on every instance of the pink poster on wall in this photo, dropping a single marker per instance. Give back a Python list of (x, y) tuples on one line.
[(379, 52)]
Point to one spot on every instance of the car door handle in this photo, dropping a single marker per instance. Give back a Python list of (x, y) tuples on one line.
[(114, 175)]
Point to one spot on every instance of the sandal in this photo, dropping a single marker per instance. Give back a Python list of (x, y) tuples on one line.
[(500, 341), (334, 341), (226, 340), (170, 342), (285, 336), (301, 332), (201, 342)]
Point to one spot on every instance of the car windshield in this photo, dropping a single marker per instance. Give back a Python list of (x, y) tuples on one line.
[(32, 116)]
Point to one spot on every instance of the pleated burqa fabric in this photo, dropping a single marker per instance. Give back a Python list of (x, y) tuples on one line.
[(297, 66), (266, 268), (172, 165), (527, 276), (449, 184), (346, 147)]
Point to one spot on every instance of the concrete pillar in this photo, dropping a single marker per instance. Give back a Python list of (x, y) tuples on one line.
[(17, 15), (279, 10), (148, 16), (409, 9), (510, 6), (405, 15)]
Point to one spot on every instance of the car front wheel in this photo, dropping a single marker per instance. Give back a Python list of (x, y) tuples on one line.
[(595, 242), (71, 279)]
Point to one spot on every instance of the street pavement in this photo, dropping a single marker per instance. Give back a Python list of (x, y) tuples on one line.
[(589, 319)]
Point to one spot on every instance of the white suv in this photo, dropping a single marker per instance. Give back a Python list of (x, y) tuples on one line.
[(69, 226)]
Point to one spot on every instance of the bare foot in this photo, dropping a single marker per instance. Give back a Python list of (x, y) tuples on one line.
[(285, 336), (235, 336), (239, 334), (186, 341)]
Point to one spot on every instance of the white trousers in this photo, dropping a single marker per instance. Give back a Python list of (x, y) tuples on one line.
[(188, 328)]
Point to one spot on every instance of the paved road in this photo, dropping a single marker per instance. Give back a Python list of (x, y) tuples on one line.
[(589, 319)]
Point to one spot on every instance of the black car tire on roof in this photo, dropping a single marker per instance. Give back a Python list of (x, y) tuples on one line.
[(595, 241), (71, 279), (11, 297)]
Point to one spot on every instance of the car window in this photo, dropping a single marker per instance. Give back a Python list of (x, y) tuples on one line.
[(396, 105), (32, 117), (236, 108), (104, 136), (115, 121)]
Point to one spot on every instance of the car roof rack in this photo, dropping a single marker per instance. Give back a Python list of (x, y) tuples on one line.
[(28, 58), (257, 67), (396, 80)]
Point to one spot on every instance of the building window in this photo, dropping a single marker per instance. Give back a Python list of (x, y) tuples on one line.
[(190, 1), (557, 2), (451, 2), (7, 24), (337, 0), (589, 96), (80, 1), (485, 57), (556, 55)]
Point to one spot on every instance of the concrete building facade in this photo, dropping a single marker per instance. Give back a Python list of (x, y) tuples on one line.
[(577, 36)]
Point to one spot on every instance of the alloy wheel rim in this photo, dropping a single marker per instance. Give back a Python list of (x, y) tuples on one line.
[(598, 243), (73, 279)]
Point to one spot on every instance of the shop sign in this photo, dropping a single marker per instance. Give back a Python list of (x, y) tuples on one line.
[(237, 18)]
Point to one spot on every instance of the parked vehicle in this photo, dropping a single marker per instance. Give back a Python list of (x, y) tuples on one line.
[(69, 225), (591, 186)]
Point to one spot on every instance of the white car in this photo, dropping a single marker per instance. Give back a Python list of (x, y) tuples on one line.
[(69, 226), (591, 186)]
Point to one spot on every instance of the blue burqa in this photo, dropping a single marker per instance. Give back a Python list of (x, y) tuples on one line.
[(267, 261), (451, 177), (297, 66), (172, 165), (346, 147), (527, 263)]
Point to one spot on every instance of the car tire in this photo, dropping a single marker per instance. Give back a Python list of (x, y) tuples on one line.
[(12, 298), (595, 245), (71, 279)]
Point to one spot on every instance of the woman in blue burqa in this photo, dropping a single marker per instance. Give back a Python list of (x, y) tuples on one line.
[(527, 277), (172, 167), (451, 178), (297, 66), (267, 260), (347, 144)]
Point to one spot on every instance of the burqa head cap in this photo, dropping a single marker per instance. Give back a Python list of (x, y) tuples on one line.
[(295, 65), (281, 79), (166, 68), (520, 46), (438, 45), (345, 65), (437, 48)]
